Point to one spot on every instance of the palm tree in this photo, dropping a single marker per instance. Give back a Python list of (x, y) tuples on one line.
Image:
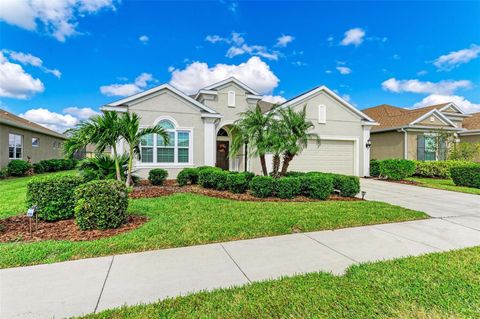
[(296, 128), (132, 134), (252, 128), (276, 144)]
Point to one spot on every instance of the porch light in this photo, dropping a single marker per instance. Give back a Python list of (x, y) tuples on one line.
[(369, 143)]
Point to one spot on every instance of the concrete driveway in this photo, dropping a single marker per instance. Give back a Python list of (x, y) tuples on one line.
[(434, 202)]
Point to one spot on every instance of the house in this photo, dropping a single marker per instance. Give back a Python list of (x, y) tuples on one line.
[(22, 139), (472, 129), (418, 134), (199, 127)]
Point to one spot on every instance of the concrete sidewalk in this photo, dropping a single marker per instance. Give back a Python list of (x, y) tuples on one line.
[(91, 285)]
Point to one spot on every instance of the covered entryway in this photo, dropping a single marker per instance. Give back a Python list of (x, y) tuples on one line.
[(335, 156)]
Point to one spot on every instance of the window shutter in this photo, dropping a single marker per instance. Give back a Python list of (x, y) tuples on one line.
[(420, 147), (231, 98), (322, 114), (442, 149)]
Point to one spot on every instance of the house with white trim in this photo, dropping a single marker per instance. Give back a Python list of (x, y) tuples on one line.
[(200, 129)]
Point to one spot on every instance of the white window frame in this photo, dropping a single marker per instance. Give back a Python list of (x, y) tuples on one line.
[(15, 146), (231, 96), (322, 114)]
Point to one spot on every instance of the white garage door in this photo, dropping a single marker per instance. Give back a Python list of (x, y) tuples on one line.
[(330, 156)]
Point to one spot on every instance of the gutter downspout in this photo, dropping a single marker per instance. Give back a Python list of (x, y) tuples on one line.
[(405, 143)]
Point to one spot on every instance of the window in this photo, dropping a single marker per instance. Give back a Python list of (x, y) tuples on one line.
[(322, 114), (177, 150), (431, 148), (15, 146), (231, 98), (35, 142)]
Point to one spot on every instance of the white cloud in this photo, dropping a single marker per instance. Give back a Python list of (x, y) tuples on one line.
[(353, 36), (58, 18), (328, 71), (275, 99), (346, 97), (344, 70), (283, 40), (15, 82), (422, 72), (240, 47), (29, 59), (83, 113), (416, 86), (396, 57), (299, 63), (255, 73), (453, 59), (127, 89), (54, 121), (144, 39), (463, 103)]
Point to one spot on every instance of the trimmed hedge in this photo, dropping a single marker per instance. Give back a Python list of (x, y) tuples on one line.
[(53, 196), (187, 175), (55, 165), (349, 186), (238, 183), (157, 176), (287, 187), (317, 186), (439, 169), (397, 169), (206, 176), (18, 167), (262, 186), (466, 175), (374, 168), (101, 204), (219, 179), (3, 173)]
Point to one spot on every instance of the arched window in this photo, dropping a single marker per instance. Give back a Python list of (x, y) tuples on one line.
[(166, 124), (222, 132)]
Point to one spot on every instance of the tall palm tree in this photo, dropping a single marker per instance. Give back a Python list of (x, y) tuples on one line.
[(132, 134), (252, 127), (296, 128)]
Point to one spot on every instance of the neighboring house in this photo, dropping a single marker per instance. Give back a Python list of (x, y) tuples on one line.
[(416, 134), (199, 129), (472, 126), (22, 139)]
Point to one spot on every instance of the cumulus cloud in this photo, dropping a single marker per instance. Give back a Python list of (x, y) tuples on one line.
[(127, 89), (58, 18), (15, 82), (353, 37), (29, 59), (144, 39), (460, 101), (82, 113), (454, 59), (255, 73), (344, 70), (416, 86), (275, 99), (284, 40), (54, 121)]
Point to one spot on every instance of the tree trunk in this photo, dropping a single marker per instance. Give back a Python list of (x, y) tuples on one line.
[(117, 164), (130, 164), (264, 165), (276, 165), (287, 158)]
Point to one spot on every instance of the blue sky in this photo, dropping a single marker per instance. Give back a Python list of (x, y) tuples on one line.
[(61, 61)]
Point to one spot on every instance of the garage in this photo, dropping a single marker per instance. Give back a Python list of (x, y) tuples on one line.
[(335, 156)]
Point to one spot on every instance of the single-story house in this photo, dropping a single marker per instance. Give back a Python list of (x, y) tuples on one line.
[(199, 129), (29, 141), (419, 134)]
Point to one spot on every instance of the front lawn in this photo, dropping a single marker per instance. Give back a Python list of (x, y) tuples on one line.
[(185, 219), (445, 184), (440, 285)]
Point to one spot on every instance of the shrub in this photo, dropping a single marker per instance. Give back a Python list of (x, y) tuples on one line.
[(187, 175), (238, 183), (464, 151), (157, 176), (38, 168), (3, 173), (101, 204), (205, 176), (396, 169), (294, 174), (440, 169), (318, 186), (53, 196), (466, 175), (219, 179), (102, 167), (54, 165), (349, 186), (262, 186), (18, 167), (287, 187), (374, 168)]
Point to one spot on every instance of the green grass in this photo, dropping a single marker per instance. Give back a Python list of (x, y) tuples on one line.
[(12, 193), (445, 184), (440, 285), (185, 219)]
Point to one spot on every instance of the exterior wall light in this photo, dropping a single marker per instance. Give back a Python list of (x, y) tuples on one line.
[(369, 143)]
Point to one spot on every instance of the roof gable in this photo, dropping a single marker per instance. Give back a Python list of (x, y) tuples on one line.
[(234, 80)]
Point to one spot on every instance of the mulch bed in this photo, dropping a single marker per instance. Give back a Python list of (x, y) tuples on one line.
[(17, 228), (170, 188)]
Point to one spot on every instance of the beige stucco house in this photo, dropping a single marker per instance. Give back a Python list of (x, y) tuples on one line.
[(22, 139), (419, 134), (199, 128)]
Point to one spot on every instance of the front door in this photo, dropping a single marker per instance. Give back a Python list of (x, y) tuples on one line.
[(222, 154)]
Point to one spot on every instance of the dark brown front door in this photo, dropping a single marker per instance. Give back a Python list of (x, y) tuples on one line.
[(222, 154)]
